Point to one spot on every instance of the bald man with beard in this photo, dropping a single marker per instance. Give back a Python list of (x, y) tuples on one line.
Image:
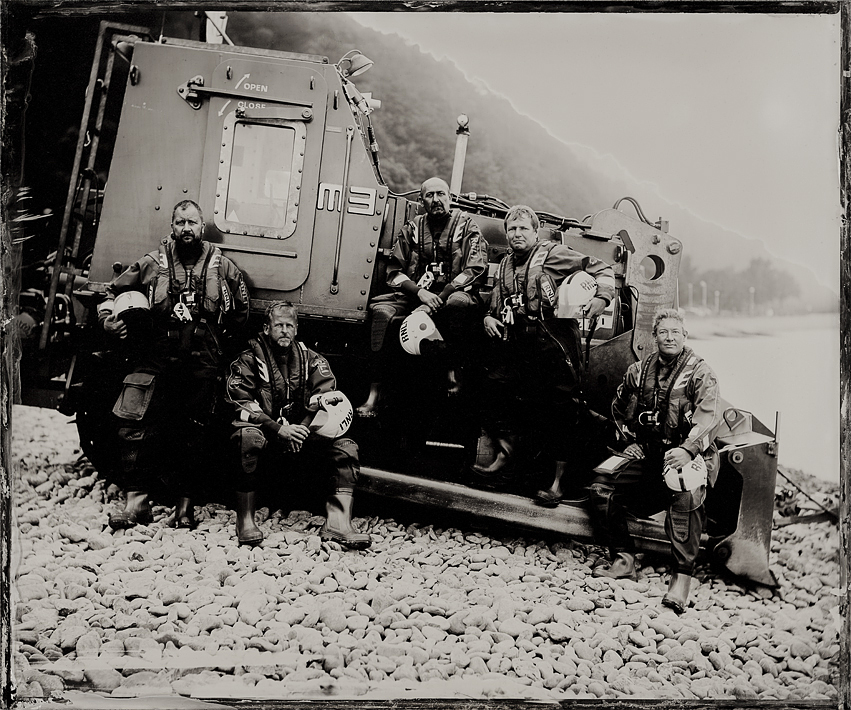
[(437, 264)]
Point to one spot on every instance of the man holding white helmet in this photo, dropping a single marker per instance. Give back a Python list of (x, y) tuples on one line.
[(437, 264), (176, 309), (668, 412), (535, 368), (289, 410)]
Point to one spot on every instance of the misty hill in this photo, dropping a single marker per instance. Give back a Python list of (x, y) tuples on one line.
[(509, 156)]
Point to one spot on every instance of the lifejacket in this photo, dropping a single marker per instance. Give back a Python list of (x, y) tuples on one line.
[(673, 412), (211, 294), (277, 394), (420, 260), (537, 284)]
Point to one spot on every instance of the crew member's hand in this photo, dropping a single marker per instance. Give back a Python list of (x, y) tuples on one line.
[(493, 327), (677, 457), (294, 433), (115, 326), (424, 308), (595, 307), (432, 300), (633, 451)]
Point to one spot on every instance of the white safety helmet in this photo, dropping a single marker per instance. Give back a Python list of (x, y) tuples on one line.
[(416, 328), (334, 417), (129, 301), (689, 478), (574, 294)]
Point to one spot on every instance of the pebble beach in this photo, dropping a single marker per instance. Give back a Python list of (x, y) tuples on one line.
[(426, 612)]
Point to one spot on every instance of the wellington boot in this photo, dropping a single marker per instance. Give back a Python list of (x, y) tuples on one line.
[(137, 511), (184, 515), (247, 532), (338, 524), (502, 459), (369, 409), (678, 590), (622, 567)]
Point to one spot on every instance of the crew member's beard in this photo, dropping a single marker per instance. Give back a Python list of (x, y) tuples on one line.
[(187, 251), (438, 220)]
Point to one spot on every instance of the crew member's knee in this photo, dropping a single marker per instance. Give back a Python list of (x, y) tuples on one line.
[(460, 300), (251, 442)]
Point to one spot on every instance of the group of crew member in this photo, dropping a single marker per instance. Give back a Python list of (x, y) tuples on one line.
[(287, 407)]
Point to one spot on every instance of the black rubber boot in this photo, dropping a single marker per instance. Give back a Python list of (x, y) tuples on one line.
[(338, 524), (622, 567), (247, 532), (678, 591), (184, 514), (137, 511), (503, 457)]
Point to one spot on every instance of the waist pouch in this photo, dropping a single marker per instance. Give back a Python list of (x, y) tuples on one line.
[(135, 397)]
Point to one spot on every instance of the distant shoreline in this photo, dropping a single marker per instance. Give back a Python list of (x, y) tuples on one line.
[(705, 328)]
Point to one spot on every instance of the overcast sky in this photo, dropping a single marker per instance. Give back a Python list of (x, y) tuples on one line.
[(733, 116)]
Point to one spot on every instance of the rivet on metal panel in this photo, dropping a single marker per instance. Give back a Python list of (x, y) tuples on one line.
[(362, 292), (221, 161), (215, 211), (656, 239), (185, 191), (157, 207), (366, 276), (640, 346), (378, 212), (300, 170), (220, 177), (218, 194), (228, 231), (245, 232), (159, 187), (360, 308), (369, 260), (294, 220), (374, 227), (224, 144), (674, 248), (298, 187), (307, 113), (295, 204), (380, 195), (372, 244), (737, 457), (302, 153)]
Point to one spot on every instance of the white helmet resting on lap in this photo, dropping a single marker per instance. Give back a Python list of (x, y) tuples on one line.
[(689, 478), (335, 414), (574, 294), (415, 329), (129, 301)]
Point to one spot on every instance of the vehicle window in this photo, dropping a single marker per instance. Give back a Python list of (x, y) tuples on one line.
[(260, 173)]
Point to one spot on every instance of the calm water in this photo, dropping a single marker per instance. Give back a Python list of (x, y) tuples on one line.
[(791, 367)]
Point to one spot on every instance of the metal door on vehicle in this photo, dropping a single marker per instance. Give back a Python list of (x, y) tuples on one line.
[(261, 167)]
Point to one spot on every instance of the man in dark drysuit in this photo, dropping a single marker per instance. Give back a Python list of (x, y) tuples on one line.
[(535, 365), (275, 386), (668, 411), (197, 298), (437, 264)]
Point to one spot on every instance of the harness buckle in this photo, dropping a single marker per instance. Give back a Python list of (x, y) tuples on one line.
[(649, 418)]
